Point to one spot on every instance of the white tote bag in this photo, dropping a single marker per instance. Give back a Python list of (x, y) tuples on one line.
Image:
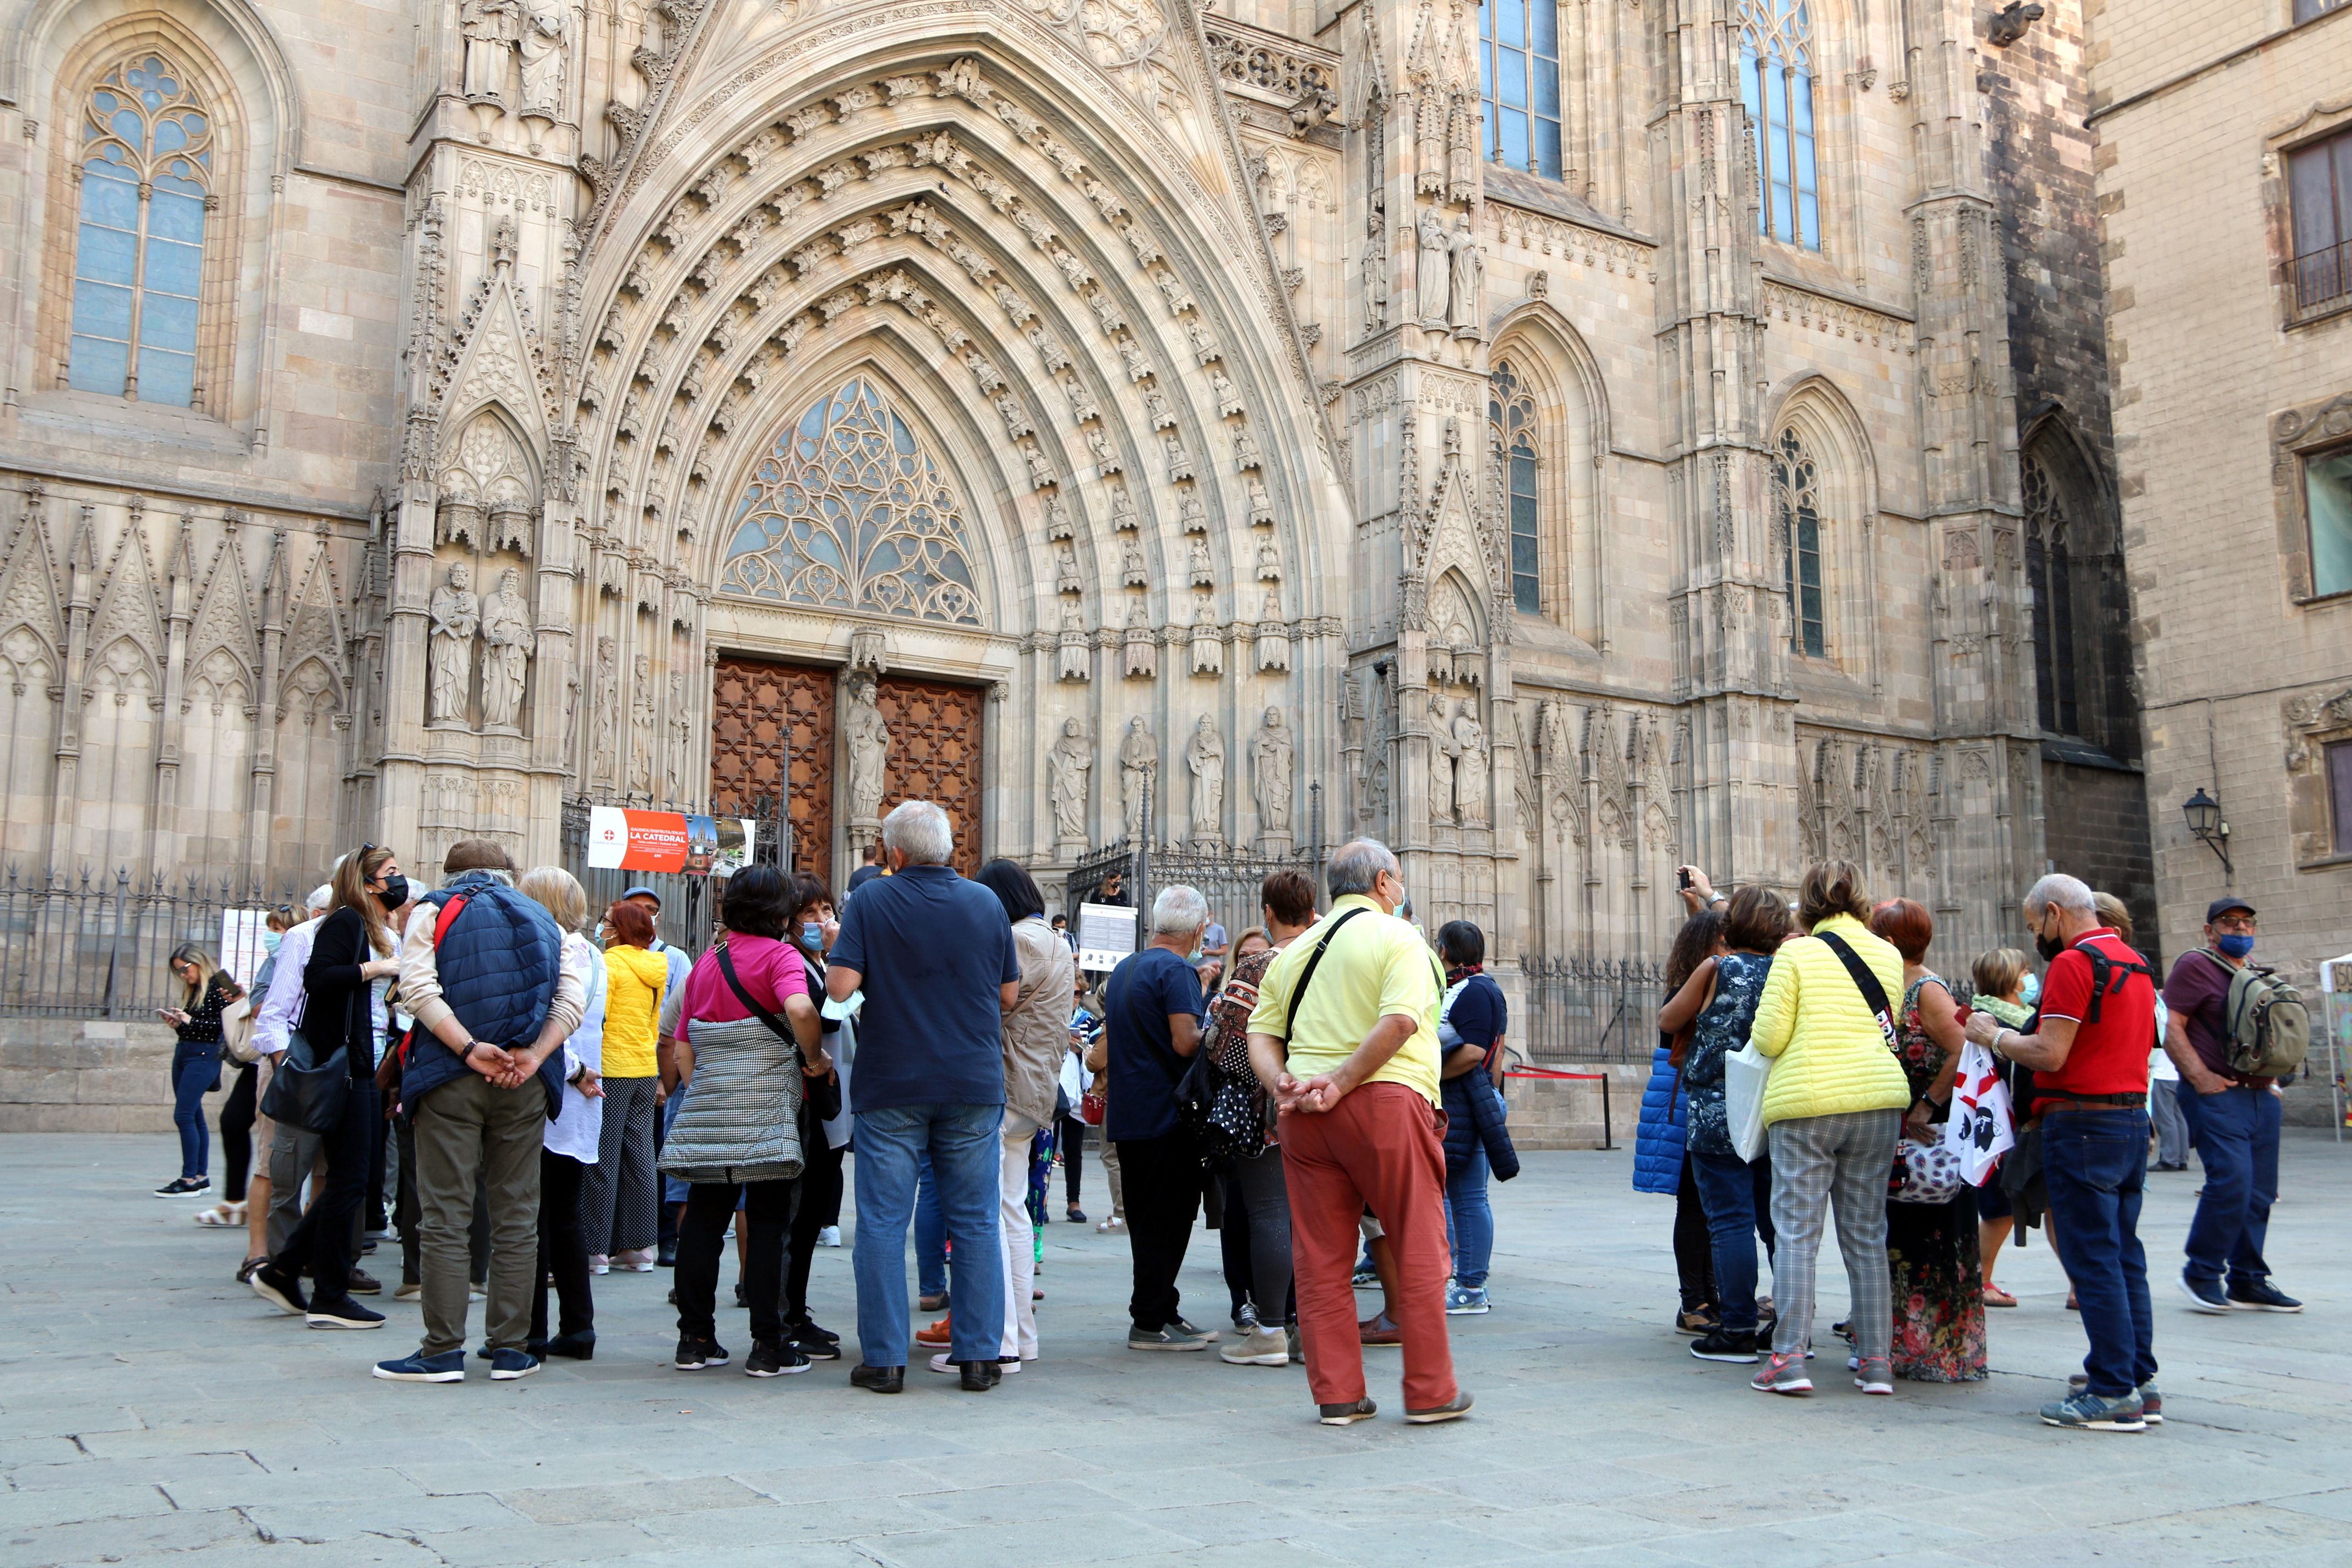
[(1744, 1071), (1983, 1128)]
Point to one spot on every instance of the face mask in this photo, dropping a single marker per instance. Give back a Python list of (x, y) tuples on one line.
[(2029, 990), (269, 940), (812, 934), (2235, 944), (394, 893), (2049, 947)]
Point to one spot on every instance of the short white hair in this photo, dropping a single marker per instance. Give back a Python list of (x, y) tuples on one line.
[(2069, 893), (1355, 867), (322, 896), (1179, 911), (918, 830)]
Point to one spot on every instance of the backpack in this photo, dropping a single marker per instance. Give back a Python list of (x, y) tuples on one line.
[(2265, 1026), (2109, 976)]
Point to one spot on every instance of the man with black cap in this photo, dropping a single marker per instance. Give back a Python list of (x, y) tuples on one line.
[(2233, 1120)]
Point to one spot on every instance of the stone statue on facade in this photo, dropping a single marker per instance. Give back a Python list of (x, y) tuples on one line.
[(1077, 648), (1470, 767), (1376, 277), (457, 615), (1139, 760), (641, 729), (1468, 270), (1270, 761), (605, 696), (492, 29), (1208, 639), (1204, 758), (1444, 749), (1142, 650), (681, 729), (546, 42), (506, 657), (1067, 764), (1432, 283), (868, 740)]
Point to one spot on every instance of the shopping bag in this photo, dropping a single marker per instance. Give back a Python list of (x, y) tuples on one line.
[(1744, 1074), (1983, 1127)]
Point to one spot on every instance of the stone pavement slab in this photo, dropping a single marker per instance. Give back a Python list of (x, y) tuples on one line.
[(152, 1411)]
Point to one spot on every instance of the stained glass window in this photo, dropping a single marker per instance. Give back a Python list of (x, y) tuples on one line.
[(1775, 83), (1518, 77), (848, 512), (146, 179), (2049, 575), (1511, 417), (1797, 482)]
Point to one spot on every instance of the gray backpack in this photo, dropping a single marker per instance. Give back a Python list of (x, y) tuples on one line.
[(2265, 1026)]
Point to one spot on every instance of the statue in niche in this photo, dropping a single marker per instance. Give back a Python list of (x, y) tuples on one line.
[(571, 714), (1067, 765), (457, 615), (605, 695), (1270, 759), (1469, 274), (869, 742), (1204, 757), (545, 42), (1076, 658), (1202, 569), (1066, 568), (1444, 749), (641, 729), (1376, 277), (681, 726), (1142, 648), (505, 632), (1139, 760), (1470, 767), (1208, 644), (492, 28), (1269, 560), (1431, 286), (1132, 568)]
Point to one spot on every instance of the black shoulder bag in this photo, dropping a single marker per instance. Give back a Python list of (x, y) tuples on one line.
[(305, 1092), (1226, 1112), (821, 1096)]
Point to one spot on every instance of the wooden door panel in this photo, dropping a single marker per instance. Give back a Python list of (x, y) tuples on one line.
[(771, 729), (935, 753)]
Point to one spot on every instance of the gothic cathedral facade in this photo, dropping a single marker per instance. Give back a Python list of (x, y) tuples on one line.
[(1560, 439)]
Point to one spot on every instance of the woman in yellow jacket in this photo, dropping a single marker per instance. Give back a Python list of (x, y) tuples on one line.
[(1832, 1110), (617, 1197)]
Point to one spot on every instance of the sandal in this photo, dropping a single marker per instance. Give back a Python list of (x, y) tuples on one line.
[(1113, 1223), (216, 1219), (245, 1272), (1994, 1296)]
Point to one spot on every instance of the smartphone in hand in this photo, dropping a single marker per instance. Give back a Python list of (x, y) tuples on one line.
[(1682, 875)]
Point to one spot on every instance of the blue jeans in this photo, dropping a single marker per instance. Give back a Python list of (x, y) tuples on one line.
[(964, 1148), (1470, 1220), (1736, 1195), (2237, 1137), (930, 1231), (2094, 1162), (194, 1068)]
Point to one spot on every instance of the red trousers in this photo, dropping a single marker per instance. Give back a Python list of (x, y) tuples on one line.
[(1380, 1148)]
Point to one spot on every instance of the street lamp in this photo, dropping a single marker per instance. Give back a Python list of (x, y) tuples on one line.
[(2205, 825)]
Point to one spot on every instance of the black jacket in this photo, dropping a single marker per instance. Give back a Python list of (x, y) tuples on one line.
[(335, 999)]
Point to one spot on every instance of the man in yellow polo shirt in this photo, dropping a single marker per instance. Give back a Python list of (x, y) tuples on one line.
[(1345, 1039)]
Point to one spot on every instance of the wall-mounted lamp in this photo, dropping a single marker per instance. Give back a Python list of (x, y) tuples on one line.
[(2205, 825)]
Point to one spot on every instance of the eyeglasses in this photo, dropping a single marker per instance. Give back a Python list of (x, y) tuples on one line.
[(2235, 923)]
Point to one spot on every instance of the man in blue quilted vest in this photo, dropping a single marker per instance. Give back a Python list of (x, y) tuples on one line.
[(484, 1072)]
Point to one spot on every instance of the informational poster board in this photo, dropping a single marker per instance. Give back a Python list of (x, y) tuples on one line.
[(1105, 935), (241, 952), (626, 840)]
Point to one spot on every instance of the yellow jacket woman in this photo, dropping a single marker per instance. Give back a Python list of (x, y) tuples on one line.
[(1831, 1055)]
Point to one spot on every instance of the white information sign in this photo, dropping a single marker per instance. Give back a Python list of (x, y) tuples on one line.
[(241, 952), (1105, 935)]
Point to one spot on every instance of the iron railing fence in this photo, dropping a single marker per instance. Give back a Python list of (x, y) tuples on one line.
[(2323, 278), (1591, 1010), (93, 943), (1227, 876)]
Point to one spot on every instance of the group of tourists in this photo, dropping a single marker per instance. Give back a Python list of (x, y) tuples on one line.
[(1863, 1046), (547, 1101)]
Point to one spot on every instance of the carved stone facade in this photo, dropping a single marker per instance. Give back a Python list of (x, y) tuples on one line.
[(974, 382)]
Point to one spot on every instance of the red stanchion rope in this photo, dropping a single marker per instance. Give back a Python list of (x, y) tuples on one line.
[(1553, 1072)]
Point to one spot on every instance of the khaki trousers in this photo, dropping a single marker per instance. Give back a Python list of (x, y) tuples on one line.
[(467, 1129)]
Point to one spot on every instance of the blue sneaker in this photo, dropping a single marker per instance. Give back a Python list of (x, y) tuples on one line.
[(449, 1366), (2086, 1412), (1466, 1303), (509, 1363)]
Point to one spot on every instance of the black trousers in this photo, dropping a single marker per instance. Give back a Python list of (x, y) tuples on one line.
[(1694, 1247), (1163, 1178), (323, 1237), (562, 1248), (237, 1114), (372, 1209), (767, 1219), (820, 1197), (1070, 1138)]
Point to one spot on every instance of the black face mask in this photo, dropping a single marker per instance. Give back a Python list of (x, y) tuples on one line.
[(2049, 947), (394, 893)]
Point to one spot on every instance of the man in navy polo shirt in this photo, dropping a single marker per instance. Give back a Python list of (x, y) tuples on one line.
[(2089, 1056), (934, 956)]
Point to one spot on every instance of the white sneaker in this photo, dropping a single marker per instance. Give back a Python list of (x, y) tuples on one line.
[(599, 1264), (829, 1237), (1260, 1347), (638, 1261)]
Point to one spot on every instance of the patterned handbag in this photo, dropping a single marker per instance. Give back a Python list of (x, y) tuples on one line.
[(1925, 1172)]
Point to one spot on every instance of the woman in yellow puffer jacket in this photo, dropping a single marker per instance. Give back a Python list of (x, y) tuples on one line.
[(1832, 1110)]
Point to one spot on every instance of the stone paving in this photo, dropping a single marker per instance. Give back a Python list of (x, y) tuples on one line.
[(153, 1412)]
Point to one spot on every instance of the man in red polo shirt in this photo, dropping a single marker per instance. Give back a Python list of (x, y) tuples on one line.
[(2089, 1056)]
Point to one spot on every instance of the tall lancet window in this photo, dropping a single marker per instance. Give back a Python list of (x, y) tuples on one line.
[(1518, 83), (1776, 81)]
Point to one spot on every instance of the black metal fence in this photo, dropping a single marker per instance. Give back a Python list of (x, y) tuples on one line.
[(1228, 876), (690, 904), (94, 944), (1592, 1009)]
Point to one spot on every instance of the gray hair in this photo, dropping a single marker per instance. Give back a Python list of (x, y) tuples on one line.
[(2062, 891), (322, 896), (1357, 865), (1179, 911), (919, 830)]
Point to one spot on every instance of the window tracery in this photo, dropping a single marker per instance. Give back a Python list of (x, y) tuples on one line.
[(1776, 83), (146, 180), (1518, 73), (1796, 482), (1511, 427), (2048, 573), (848, 512)]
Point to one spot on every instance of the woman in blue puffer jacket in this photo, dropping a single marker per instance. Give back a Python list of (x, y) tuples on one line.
[(1658, 1163)]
